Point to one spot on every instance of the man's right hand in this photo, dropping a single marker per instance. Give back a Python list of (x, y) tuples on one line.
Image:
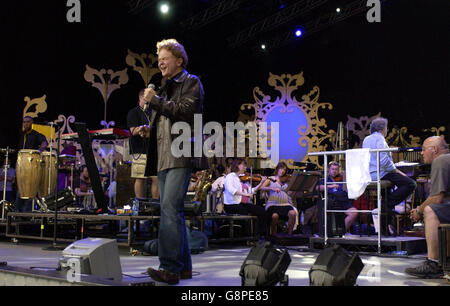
[(144, 131)]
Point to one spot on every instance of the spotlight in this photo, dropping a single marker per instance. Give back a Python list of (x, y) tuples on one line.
[(263, 46), (335, 267), (338, 10), (164, 8), (265, 265), (298, 33)]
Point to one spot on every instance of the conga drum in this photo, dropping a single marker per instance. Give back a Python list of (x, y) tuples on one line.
[(28, 173), (44, 181)]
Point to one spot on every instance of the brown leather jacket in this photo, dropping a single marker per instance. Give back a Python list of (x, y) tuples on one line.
[(178, 100)]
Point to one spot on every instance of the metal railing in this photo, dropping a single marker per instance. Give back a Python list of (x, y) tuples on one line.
[(378, 182)]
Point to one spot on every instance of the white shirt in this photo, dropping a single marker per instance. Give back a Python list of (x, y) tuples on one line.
[(218, 183), (233, 184)]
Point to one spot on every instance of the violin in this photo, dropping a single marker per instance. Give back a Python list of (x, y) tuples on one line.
[(338, 178), (247, 177), (283, 179)]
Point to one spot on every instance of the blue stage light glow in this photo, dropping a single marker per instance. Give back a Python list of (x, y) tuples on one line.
[(298, 33)]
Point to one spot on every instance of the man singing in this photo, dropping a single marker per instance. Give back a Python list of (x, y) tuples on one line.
[(178, 100)]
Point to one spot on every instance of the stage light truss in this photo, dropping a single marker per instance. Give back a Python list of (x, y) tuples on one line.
[(217, 10), (283, 16), (316, 25)]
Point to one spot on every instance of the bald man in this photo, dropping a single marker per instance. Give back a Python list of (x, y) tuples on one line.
[(436, 208)]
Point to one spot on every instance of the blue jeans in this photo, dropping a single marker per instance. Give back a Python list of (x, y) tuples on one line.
[(22, 205), (173, 244)]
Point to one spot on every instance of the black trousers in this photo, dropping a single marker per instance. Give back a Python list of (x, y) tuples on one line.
[(405, 186), (249, 209)]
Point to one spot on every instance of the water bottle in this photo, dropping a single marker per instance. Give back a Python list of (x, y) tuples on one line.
[(135, 208)]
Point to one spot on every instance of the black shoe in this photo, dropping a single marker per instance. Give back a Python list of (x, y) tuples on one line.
[(428, 269)]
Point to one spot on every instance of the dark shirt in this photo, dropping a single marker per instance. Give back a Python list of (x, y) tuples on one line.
[(33, 140), (338, 192), (136, 117), (440, 176), (178, 100)]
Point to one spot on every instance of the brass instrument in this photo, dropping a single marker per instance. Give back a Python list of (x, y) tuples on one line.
[(204, 185)]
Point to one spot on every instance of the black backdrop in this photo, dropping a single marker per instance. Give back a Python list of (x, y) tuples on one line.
[(399, 67)]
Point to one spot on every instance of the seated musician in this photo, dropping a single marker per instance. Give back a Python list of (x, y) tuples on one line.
[(337, 193), (388, 171), (84, 190), (218, 185), (238, 195), (279, 201), (436, 208), (195, 180)]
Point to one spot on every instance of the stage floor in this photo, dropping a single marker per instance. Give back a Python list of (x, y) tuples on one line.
[(220, 265)]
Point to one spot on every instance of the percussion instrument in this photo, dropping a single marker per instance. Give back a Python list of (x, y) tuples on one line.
[(45, 180), (28, 173)]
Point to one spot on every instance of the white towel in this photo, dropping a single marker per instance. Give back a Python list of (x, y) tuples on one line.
[(357, 171)]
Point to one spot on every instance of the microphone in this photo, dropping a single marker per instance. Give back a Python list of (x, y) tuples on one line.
[(146, 106)]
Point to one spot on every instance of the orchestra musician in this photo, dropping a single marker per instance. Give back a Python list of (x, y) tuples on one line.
[(83, 190), (279, 201), (436, 208), (339, 193), (237, 195), (218, 185)]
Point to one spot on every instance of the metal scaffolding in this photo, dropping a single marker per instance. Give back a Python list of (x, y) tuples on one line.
[(378, 182)]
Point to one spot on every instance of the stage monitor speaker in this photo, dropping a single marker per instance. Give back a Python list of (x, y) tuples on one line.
[(265, 265), (93, 256), (335, 267)]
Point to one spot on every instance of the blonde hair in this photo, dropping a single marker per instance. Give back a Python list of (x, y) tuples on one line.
[(175, 48)]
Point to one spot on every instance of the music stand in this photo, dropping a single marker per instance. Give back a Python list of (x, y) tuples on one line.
[(304, 182)]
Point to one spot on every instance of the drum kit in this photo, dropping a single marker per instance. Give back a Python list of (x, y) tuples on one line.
[(36, 174)]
